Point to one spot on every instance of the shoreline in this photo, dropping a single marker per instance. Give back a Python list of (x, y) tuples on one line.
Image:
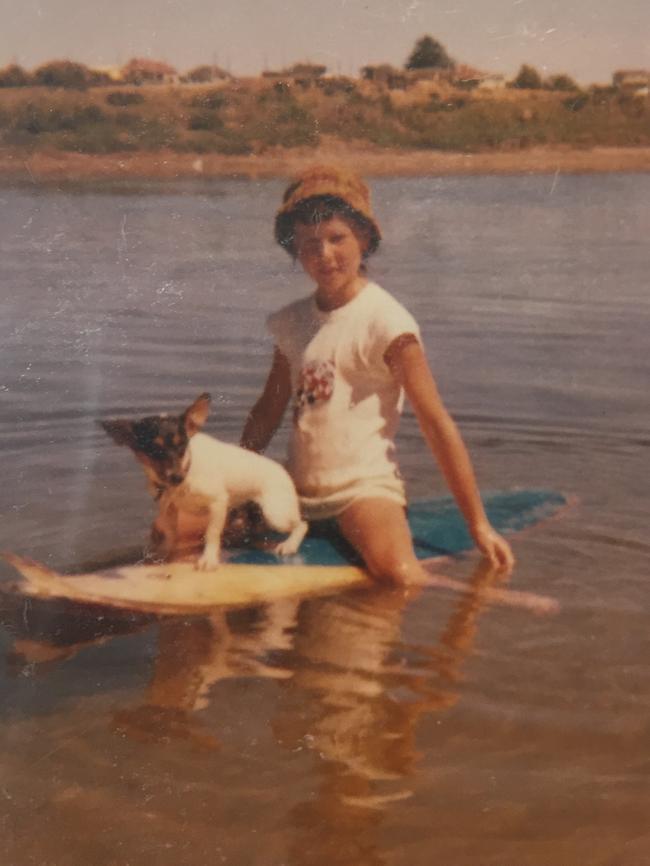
[(44, 167)]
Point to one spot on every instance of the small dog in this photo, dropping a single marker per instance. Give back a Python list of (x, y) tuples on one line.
[(189, 470)]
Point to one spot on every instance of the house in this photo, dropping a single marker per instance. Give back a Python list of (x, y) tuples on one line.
[(141, 70), (385, 75), (468, 78), (633, 82), (491, 81), (111, 73)]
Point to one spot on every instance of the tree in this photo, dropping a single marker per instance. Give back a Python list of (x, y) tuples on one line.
[(528, 78), (205, 74), (428, 53), (14, 76), (561, 82), (63, 73)]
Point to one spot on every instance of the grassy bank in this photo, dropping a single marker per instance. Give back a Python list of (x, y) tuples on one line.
[(57, 167), (256, 117)]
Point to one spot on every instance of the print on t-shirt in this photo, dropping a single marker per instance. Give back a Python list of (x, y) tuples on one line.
[(315, 385)]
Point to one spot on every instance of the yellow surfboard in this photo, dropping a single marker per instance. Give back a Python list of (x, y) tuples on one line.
[(254, 576), (179, 588)]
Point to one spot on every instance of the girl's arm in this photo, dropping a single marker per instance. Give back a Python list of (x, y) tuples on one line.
[(265, 416), (409, 365)]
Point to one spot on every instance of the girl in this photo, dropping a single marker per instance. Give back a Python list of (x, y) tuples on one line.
[(344, 357)]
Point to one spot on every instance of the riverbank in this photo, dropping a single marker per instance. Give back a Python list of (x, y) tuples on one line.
[(53, 166)]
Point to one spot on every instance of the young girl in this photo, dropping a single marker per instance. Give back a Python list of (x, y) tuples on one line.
[(344, 357)]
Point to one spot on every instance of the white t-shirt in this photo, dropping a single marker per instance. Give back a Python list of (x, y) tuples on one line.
[(346, 402)]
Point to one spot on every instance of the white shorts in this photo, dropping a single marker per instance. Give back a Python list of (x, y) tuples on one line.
[(332, 503)]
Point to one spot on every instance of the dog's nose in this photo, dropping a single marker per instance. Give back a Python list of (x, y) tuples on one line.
[(175, 478)]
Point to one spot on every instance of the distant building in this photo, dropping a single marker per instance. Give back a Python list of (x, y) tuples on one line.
[(469, 78), (113, 73), (492, 81), (385, 75), (635, 82), (141, 70)]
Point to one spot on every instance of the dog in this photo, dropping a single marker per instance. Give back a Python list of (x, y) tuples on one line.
[(190, 471)]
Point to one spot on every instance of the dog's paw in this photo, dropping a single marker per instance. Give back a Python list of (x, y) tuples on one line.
[(285, 548), (208, 561)]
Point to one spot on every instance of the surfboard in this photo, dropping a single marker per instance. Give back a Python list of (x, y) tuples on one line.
[(324, 564)]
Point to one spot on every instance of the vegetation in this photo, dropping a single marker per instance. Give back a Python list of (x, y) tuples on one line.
[(528, 78), (64, 105), (561, 82), (65, 73), (428, 53), (14, 76), (124, 97), (205, 74)]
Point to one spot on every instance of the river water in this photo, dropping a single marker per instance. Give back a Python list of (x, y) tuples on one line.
[(358, 729)]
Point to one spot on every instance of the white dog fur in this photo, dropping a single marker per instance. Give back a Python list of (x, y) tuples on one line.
[(191, 471)]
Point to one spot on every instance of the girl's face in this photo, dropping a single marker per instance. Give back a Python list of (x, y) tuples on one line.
[(331, 253)]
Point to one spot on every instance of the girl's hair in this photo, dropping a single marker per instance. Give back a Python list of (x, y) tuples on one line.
[(321, 208)]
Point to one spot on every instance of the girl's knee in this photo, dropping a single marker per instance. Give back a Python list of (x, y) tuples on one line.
[(393, 569), (379, 532)]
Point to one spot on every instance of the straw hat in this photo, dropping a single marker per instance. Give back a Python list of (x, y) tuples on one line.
[(326, 182)]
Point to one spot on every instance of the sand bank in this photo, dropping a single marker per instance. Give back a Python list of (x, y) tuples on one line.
[(60, 166)]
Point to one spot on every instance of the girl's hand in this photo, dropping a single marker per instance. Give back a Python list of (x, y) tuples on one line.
[(494, 547)]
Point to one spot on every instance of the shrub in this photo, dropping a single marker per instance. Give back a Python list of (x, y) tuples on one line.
[(332, 86), (206, 120), (233, 144), (282, 88), (63, 73), (209, 99), (286, 124), (577, 102), (561, 82), (124, 97), (14, 76), (453, 104), (147, 133), (100, 138), (126, 119), (37, 119), (204, 74)]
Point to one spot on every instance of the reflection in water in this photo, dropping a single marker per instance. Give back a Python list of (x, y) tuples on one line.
[(353, 694), (192, 656), (195, 654), (352, 704), (47, 633)]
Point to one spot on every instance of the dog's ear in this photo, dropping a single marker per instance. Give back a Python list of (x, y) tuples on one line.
[(120, 430), (195, 416)]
